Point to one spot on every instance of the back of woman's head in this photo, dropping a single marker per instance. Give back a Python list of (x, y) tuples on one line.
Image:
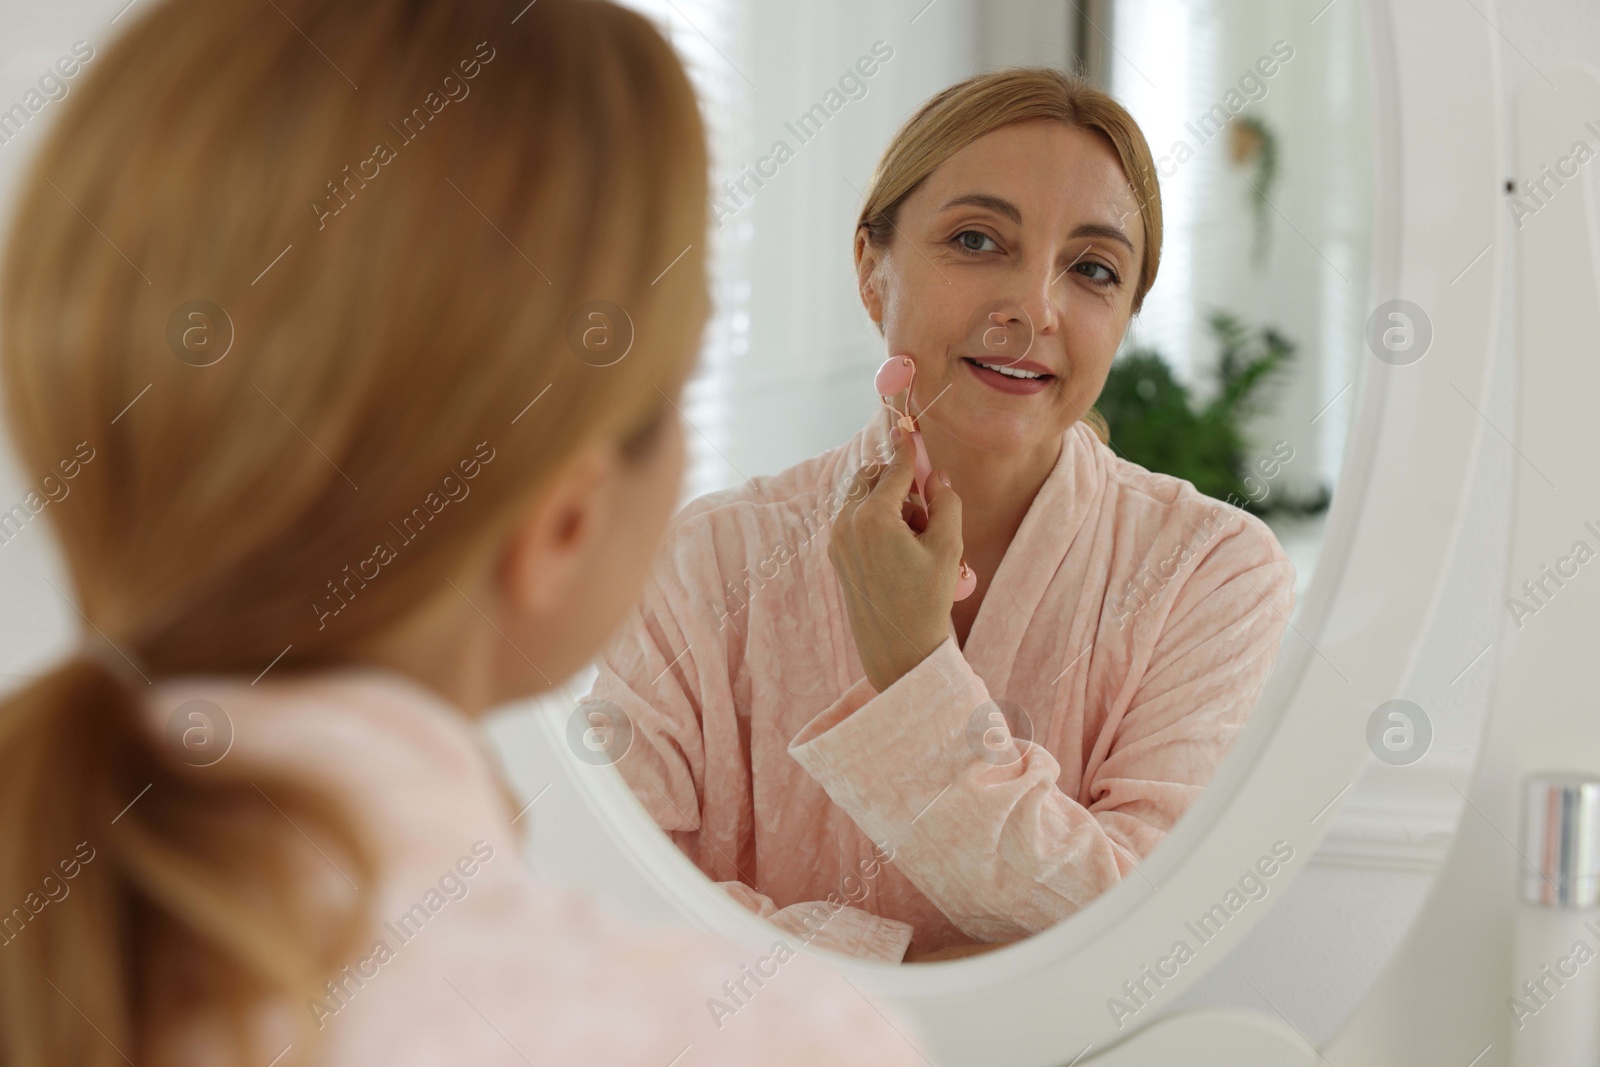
[(279, 281)]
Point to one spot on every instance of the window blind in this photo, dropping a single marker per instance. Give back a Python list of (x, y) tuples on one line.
[(1163, 67), (705, 35)]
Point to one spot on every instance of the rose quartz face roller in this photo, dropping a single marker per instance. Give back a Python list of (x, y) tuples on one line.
[(894, 377)]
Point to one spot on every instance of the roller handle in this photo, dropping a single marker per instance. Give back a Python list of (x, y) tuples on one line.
[(894, 377)]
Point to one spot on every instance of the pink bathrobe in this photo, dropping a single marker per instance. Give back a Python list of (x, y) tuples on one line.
[(994, 789), (481, 963)]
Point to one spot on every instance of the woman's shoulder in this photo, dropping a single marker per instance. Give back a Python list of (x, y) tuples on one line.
[(547, 975), (472, 958), (361, 727), (1159, 514), (794, 484), (767, 510)]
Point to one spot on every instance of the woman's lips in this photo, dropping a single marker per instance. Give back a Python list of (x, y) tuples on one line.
[(1005, 383)]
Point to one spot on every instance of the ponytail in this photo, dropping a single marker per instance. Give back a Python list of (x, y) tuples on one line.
[(120, 863), (1097, 422)]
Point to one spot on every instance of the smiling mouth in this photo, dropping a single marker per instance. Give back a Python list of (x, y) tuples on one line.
[(1010, 372)]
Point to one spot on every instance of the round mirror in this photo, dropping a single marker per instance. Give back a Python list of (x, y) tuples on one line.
[(1040, 835)]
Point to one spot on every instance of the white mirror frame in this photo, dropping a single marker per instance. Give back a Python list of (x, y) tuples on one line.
[(1395, 515)]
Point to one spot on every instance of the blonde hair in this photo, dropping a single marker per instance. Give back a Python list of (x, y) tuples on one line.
[(386, 314), (960, 114)]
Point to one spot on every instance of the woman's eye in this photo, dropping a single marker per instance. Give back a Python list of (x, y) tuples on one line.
[(1107, 276), (972, 241)]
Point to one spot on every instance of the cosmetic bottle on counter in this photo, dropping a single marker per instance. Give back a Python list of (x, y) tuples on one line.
[(1555, 997)]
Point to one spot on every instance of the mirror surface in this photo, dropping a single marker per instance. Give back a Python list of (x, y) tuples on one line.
[(1122, 625)]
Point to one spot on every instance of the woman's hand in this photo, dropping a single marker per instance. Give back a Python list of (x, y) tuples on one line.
[(898, 583)]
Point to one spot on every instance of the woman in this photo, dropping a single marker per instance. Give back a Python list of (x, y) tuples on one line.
[(286, 292), (821, 726)]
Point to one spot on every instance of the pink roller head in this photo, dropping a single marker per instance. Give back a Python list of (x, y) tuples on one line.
[(895, 375), (966, 582)]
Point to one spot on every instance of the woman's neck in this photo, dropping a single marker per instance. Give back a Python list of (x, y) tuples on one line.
[(996, 489), (443, 646)]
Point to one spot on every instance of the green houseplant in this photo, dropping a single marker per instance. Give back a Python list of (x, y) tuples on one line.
[(1156, 423)]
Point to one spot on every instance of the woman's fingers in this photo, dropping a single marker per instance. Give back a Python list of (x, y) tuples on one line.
[(865, 484), (890, 569), (894, 481)]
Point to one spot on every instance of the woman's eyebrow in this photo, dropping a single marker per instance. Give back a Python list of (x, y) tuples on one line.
[(1096, 229), (999, 205)]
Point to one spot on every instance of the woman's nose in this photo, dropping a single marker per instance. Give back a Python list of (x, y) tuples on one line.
[(1032, 307), (1040, 295)]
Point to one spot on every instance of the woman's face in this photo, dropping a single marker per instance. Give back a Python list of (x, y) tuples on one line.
[(1022, 251)]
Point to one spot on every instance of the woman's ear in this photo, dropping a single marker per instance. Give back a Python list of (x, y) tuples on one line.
[(548, 548), (867, 277)]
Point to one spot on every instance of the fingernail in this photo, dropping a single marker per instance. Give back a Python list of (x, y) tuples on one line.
[(895, 436), (944, 479)]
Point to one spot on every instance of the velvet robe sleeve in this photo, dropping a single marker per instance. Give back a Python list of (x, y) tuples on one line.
[(672, 681)]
